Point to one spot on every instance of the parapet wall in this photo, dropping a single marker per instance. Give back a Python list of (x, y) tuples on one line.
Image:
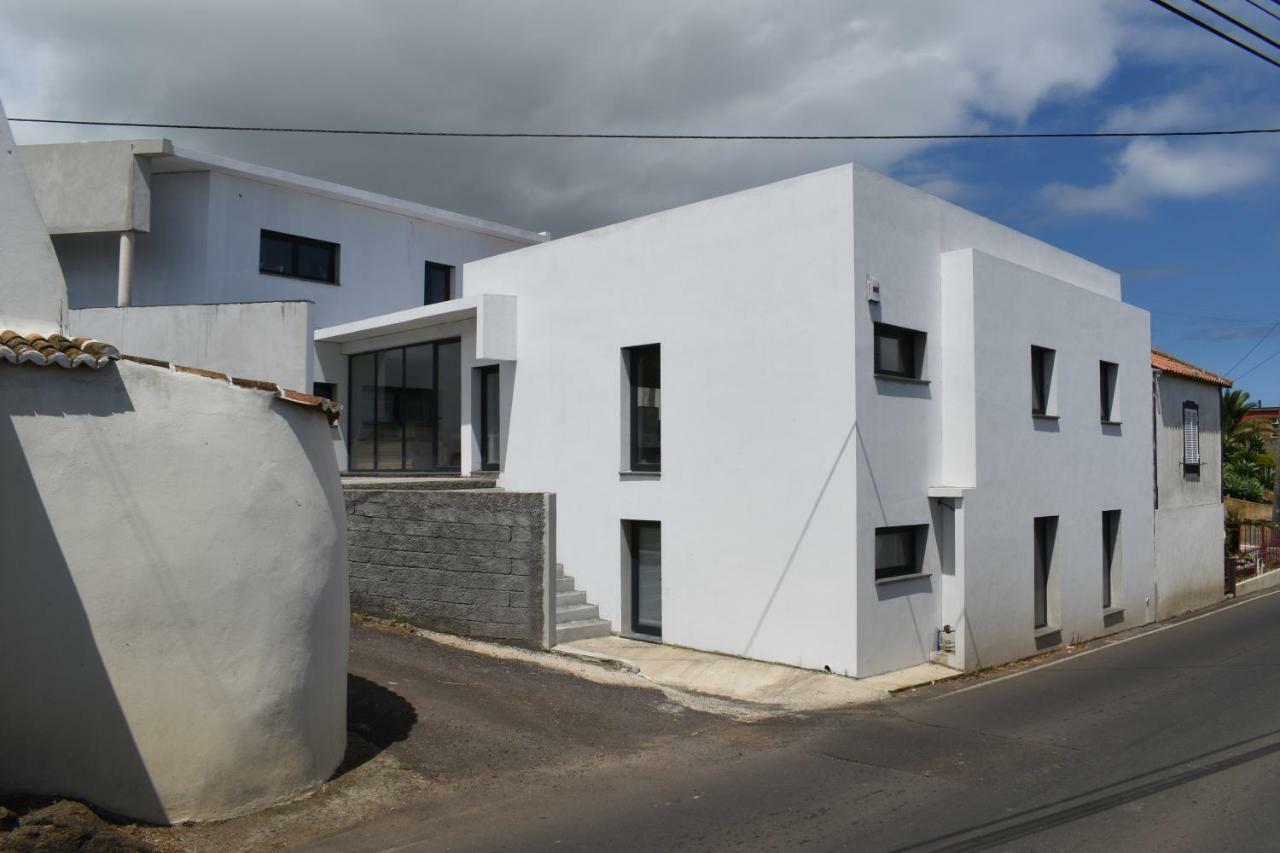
[(474, 563)]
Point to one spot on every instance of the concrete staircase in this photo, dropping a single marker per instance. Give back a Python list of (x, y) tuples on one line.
[(575, 618)]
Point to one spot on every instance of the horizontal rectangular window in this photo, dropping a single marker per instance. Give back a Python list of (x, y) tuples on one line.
[(297, 257), (899, 351), (900, 551)]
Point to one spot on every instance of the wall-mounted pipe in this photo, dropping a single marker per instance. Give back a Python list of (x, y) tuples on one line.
[(124, 286)]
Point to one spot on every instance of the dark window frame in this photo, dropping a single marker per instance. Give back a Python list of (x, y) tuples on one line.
[(1188, 466), (1041, 380), (912, 343), (633, 370), (435, 416), (296, 240), (1108, 383), (630, 531), (1111, 520), (482, 373), (919, 536), (426, 282)]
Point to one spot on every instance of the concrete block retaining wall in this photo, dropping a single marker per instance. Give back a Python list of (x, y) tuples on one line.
[(474, 563)]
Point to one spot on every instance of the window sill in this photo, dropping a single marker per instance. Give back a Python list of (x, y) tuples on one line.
[(1113, 611), (1111, 423), (897, 578), (909, 380), (639, 475), (1041, 417), (1048, 631)]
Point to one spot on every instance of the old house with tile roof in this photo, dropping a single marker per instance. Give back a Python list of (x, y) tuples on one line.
[(173, 576)]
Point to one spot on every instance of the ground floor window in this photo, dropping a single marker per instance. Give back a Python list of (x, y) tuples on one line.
[(490, 424), (900, 551), (644, 544), (406, 409), (1110, 554), (1046, 529)]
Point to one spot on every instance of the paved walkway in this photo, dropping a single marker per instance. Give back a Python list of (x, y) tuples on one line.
[(750, 680)]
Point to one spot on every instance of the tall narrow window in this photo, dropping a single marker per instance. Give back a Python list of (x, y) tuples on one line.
[(1190, 438), (644, 372), (1107, 373), (490, 429), (1046, 528), (644, 542), (1042, 381), (899, 352), (1110, 554), (439, 284), (297, 257)]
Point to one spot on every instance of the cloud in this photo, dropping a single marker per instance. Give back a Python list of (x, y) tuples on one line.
[(660, 65), (1150, 170)]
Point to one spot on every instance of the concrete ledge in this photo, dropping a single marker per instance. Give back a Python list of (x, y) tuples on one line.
[(1268, 580)]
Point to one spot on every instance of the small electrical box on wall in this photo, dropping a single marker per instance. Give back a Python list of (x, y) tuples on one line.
[(873, 290)]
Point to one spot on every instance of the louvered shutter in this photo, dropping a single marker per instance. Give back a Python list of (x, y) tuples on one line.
[(1190, 435)]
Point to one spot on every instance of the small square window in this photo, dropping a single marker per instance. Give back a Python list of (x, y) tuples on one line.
[(899, 351), (328, 390), (1107, 375), (900, 551), (438, 284), (1042, 390)]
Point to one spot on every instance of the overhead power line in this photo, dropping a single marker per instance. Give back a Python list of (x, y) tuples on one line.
[(1217, 32), (1274, 326), (1262, 8), (1239, 23), (679, 137), (1256, 366)]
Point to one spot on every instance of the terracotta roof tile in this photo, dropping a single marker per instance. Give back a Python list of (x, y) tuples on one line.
[(1169, 364), (44, 350)]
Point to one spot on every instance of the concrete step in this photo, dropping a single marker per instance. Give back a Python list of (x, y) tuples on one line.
[(584, 629), (567, 599), (577, 613), (564, 584), (559, 570)]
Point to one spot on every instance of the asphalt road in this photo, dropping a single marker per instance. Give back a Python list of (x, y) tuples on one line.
[(1167, 741)]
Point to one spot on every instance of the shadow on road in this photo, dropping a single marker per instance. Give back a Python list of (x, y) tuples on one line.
[(376, 718), (1080, 806)]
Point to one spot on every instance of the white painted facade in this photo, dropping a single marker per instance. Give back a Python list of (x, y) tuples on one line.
[(782, 452), (194, 221), (173, 581), (1189, 528)]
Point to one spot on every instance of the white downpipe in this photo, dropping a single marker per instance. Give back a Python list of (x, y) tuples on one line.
[(124, 291)]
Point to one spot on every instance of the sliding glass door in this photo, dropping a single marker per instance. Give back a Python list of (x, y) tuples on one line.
[(406, 409)]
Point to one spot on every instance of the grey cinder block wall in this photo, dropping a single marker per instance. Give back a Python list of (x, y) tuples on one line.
[(474, 563)]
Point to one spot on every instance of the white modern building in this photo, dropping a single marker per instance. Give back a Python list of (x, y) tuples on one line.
[(833, 422), (194, 245)]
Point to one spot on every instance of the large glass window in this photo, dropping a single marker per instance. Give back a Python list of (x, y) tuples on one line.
[(407, 409), (644, 371), (297, 257), (490, 425), (644, 539)]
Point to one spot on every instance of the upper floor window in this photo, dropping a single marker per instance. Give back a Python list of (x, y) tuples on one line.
[(1107, 373), (644, 373), (899, 351), (298, 257), (1190, 438), (439, 284), (1042, 390)]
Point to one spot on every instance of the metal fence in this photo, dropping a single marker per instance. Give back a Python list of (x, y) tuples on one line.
[(1252, 549)]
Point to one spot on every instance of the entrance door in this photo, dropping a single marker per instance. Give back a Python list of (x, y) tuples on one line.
[(645, 541)]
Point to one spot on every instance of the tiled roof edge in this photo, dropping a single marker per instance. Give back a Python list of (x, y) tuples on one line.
[(1178, 367)]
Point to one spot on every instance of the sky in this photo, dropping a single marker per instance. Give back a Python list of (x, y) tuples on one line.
[(1193, 225)]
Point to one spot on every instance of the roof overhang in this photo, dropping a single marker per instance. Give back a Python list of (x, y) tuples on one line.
[(494, 315)]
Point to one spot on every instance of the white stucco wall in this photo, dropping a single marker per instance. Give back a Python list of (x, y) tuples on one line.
[(253, 340), (1189, 528), (782, 453), (86, 187), (173, 595)]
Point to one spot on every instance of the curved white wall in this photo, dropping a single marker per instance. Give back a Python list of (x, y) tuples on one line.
[(173, 592)]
